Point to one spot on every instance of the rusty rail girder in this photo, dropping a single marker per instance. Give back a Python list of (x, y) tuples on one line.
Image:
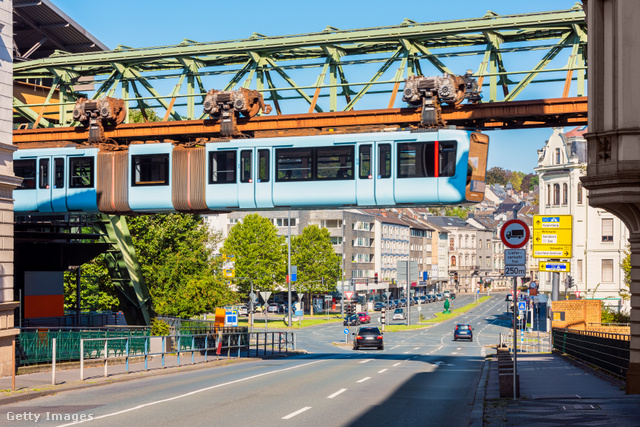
[(485, 116)]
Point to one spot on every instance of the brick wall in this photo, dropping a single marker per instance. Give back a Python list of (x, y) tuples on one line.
[(577, 314)]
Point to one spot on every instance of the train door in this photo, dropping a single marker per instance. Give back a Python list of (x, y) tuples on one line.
[(263, 178), (247, 179), (383, 166), (51, 188), (222, 183), (365, 184)]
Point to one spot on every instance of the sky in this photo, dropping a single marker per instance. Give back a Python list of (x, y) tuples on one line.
[(147, 23)]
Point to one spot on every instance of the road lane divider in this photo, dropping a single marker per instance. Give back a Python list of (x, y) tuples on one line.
[(381, 371), (364, 379), (342, 390), (298, 412)]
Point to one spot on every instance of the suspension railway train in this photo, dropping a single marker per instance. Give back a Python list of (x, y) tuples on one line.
[(383, 169)]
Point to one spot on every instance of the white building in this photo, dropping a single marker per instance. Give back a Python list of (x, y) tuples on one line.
[(600, 239)]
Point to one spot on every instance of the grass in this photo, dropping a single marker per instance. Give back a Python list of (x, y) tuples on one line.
[(441, 317), (259, 322)]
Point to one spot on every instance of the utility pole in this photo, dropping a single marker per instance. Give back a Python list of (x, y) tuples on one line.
[(289, 271)]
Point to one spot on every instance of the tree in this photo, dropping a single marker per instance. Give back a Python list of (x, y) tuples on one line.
[(175, 255), (317, 262), (496, 175), (97, 292), (626, 268), (460, 212), (516, 180), (258, 251)]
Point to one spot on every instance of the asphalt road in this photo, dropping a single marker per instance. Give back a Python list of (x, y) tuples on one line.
[(422, 377)]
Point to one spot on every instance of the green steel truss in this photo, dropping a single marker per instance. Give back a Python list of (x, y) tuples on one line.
[(332, 70)]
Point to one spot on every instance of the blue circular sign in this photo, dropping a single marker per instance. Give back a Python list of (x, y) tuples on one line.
[(346, 331)]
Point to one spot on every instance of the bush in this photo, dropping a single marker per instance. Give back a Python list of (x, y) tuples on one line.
[(610, 315), (159, 328)]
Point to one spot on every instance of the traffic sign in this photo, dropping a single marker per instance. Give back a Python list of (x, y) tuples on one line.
[(348, 294), (265, 296), (387, 294), (557, 266), (522, 306), (578, 294), (515, 257), (346, 331), (552, 236), (515, 270), (515, 234)]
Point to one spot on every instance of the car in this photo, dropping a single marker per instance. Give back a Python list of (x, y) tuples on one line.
[(402, 302), (399, 314), (243, 310), (353, 320), (423, 299), (369, 336), (463, 331), (440, 297), (446, 294), (364, 317), (378, 306), (273, 308)]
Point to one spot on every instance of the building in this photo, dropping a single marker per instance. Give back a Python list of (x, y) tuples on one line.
[(600, 239)]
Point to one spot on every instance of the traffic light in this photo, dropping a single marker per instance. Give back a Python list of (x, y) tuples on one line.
[(375, 278), (352, 309), (569, 282)]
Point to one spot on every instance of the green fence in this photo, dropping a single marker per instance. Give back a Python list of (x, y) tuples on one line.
[(35, 345)]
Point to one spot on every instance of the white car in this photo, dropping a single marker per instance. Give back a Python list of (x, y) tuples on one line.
[(273, 308), (399, 314), (242, 310)]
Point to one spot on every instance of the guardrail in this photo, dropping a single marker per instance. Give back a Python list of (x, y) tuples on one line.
[(254, 343), (527, 342), (607, 351)]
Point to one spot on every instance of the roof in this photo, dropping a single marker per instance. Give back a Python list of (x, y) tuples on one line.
[(448, 221), (577, 132), (40, 28)]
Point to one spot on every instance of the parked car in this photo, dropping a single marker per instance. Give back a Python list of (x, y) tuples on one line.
[(353, 320), (446, 294), (399, 314), (368, 337), (273, 308), (402, 302), (423, 299), (463, 331), (364, 317), (378, 306), (243, 310), (440, 297)]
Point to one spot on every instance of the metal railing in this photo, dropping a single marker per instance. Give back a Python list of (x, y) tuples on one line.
[(233, 344), (607, 351), (527, 342)]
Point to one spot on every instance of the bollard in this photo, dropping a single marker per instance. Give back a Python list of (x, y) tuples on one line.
[(53, 362), (81, 359)]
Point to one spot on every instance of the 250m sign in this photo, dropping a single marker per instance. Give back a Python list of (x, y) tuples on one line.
[(514, 270)]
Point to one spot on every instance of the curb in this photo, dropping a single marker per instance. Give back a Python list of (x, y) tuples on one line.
[(477, 413)]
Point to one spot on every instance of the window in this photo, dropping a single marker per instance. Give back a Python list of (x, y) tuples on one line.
[(245, 166), (607, 270), (607, 229), (453, 261), (43, 178), (452, 242), (579, 271), (556, 194), (58, 177), (263, 165), (548, 195), (81, 172), (335, 240), (331, 223), (25, 169), (294, 164), (330, 163), (447, 162), (284, 222), (150, 169), (222, 167), (565, 194), (416, 160), (364, 155), (334, 163), (558, 156), (384, 161), (579, 193)]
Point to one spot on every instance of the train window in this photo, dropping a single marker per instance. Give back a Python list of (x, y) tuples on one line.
[(80, 172), (384, 161), (447, 159), (364, 155), (150, 169), (263, 165), (334, 163), (245, 166), (416, 160), (294, 164), (58, 173), (43, 178), (25, 169), (222, 167)]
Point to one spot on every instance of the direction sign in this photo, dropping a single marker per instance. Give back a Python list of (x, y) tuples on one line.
[(348, 294), (515, 257), (552, 236), (515, 234), (346, 331), (557, 266)]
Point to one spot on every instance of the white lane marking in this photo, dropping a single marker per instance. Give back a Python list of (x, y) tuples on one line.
[(417, 348), (365, 361), (454, 352), (406, 352), (191, 393), (342, 390), (299, 411), (393, 348), (363, 380), (381, 371), (397, 364)]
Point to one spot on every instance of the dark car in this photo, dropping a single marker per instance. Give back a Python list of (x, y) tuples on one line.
[(353, 320), (378, 306), (463, 331), (368, 337)]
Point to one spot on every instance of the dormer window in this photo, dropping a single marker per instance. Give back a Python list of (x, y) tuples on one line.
[(558, 156)]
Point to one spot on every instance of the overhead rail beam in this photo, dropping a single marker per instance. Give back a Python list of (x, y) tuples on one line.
[(328, 71)]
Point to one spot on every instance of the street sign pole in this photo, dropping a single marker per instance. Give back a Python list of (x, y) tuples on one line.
[(555, 287), (515, 343), (408, 294)]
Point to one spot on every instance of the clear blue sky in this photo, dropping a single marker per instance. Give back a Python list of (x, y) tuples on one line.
[(145, 23)]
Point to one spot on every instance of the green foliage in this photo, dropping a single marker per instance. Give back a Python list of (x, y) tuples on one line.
[(136, 116), (316, 260), (97, 292), (458, 211), (496, 175), (609, 315), (626, 268), (260, 254), (516, 180), (529, 182), (159, 328), (183, 277)]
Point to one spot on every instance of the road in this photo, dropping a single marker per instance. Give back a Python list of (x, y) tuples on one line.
[(421, 377)]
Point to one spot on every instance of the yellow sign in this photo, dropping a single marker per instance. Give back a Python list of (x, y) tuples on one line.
[(556, 267), (229, 272), (552, 236), (557, 315)]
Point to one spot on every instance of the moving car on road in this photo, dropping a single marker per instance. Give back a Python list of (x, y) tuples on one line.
[(399, 314), (364, 317), (463, 331), (353, 320), (368, 337), (378, 306)]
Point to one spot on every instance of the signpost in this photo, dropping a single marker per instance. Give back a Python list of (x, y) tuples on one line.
[(555, 266), (552, 236)]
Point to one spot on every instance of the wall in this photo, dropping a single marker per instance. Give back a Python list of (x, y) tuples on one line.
[(578, 314)]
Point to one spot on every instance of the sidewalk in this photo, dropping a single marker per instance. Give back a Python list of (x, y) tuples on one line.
[(555, 392)]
